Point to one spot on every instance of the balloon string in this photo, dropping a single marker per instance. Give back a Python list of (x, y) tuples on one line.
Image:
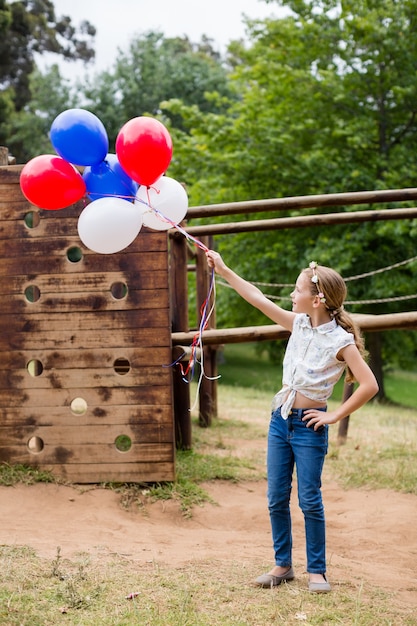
[(166, 219), (205, 314), (197, 344), (206, 311), (90, 194)]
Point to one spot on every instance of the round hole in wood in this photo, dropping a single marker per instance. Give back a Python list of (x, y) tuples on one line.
[(123, 443), (79, 406), (74, 254), (32, 219), (118, 290), (121, 366), (35, 445), (35, 367), (32, 293)]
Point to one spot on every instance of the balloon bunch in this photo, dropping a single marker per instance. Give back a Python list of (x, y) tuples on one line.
[(126, 190)]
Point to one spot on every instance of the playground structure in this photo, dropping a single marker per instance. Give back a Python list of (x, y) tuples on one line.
[(87, 339), (83, 341)]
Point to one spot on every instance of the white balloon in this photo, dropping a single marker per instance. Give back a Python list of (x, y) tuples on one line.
[(108, 225), (166, 198)]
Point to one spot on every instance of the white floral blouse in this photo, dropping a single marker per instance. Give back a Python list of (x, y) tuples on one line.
[(310, 363)]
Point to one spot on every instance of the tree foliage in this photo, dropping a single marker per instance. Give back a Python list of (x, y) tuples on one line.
[(154, 69), (29, 128), (29, 28)]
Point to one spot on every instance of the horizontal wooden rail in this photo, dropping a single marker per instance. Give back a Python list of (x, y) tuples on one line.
[(367, 323), (303, 202), (303, 221)]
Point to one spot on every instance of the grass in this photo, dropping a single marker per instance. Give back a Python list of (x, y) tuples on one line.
[(381, 450), (36, 592), (12, 474), (380, 453)]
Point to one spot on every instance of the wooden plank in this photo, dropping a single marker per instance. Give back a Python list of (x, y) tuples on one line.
[(146, 279), (91, 435), (54, 245), (87, 473), (140, 452), (57, 416), (17, 229), (130, 264), (304, 202), (97, 321), (301, 221), (270, 332), (64, 234), (99, 377), (10, 174), (9, 190), (83, 302), (14, 208), (86, 339), (101, 397), (84, 359)]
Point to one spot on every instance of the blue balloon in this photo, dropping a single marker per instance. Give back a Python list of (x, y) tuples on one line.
[(79, 137), (109, 179)]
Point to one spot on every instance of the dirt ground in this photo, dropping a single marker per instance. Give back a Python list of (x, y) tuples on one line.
[(371, 535)]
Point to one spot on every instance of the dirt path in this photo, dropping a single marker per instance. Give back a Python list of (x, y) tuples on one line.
[(371, 536)]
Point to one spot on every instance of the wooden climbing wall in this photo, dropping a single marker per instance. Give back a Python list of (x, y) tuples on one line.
[(84, 339)]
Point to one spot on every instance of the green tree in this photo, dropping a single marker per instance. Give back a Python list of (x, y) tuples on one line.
[(28, 129), (6, 104), (29, 28), (154, 69), (32, 28)]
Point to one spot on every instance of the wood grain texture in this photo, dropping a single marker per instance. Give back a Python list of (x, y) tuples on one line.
[(96, 328)]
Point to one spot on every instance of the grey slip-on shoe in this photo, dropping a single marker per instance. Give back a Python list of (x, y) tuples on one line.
[(268, 580), (319, 587)]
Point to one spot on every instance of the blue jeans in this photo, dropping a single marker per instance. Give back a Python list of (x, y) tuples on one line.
[(291, 442)]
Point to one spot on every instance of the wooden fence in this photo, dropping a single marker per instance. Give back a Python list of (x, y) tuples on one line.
[(182, 336)]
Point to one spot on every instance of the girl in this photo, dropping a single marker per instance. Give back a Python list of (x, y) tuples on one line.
[(324, 342)]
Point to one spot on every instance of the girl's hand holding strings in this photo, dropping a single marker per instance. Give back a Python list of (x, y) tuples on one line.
[(215, 261)]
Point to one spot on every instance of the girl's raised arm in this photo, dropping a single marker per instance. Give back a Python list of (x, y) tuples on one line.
[(249, 292)]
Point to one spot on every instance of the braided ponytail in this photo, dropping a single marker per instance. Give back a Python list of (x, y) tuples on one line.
[(329, 283)]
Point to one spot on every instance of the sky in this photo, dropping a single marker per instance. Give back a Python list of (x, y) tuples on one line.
[(119, 21)]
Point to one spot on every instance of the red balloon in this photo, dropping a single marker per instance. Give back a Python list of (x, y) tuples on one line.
[(50, 182), (144, 149)]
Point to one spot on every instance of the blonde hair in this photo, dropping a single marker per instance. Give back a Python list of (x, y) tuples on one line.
[(331, 286)]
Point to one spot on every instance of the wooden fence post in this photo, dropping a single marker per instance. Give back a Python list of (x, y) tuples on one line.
[(344, 423), (180, 322), (4, 155), (208, 387)]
